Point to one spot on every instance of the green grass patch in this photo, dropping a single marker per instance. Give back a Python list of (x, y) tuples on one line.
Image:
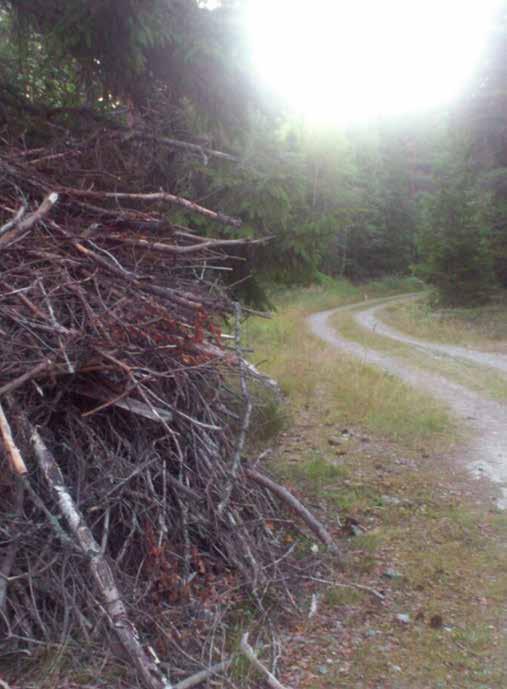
[(483, 379), (329, 292), (479, 327), (354, 393)]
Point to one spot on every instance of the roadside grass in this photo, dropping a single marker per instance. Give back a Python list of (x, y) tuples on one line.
[(483, 379), (371, 455), (482, 327), (420, 519), (329, 293), (450, 585), (353, 393)]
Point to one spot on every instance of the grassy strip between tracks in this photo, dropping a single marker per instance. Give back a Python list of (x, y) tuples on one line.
[(483, 328), (482, 379)]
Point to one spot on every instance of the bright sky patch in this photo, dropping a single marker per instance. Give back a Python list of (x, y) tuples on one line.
[(337, 61)]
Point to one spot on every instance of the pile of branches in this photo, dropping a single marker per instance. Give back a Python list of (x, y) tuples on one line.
[(127, 510)]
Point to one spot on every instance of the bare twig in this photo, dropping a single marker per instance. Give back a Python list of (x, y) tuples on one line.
[(310, 520), (249, 654), (158, 196), (361, 587), (10, 554), (29, 375), (15, 459), (203, 675), (191, 248), (185, 145), (100, 569), (13, 221), (245, 422), (26, 223)]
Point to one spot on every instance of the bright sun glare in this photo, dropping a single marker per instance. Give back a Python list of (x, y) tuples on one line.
[(337, 61)]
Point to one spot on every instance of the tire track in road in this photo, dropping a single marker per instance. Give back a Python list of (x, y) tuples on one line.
[(486, 454)]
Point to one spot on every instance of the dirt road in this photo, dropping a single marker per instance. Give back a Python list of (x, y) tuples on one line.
[(486, 454)]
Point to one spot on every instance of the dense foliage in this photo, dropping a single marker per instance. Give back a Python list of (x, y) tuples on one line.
[(361, 203), (455, 240)]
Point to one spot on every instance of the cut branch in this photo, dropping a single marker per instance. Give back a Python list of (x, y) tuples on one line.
[(10, 554), (32, 373), (249, 654), (185, 145), (175, 249), (26, 223), (13, 221), (312, 522), (14, 455), (100, 569), (203, 675), (157, 196), (128, 403), (245, 422)]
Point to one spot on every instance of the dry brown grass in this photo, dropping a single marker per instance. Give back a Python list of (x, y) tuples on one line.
[(482, 328)]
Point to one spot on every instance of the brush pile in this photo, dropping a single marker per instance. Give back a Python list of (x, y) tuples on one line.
[(126, 509)]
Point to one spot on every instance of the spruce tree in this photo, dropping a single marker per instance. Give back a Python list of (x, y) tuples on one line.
[(455, 240)]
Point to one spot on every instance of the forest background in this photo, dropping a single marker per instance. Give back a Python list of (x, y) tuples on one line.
[(421, 194)]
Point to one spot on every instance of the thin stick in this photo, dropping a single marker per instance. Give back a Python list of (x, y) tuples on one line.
[(14, 455), (175, 143), (249, 653), (32, 373), (361, 587), (187, 249), (203, 675), (158, 196), (29, 221), (101, 571), (245, 422), (13, 221), (309, 519), (10, 555)]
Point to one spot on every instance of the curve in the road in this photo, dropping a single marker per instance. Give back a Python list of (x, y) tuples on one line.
[(369, 319), (487, 453)]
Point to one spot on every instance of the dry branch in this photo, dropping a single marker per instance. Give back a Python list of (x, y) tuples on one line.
[(122, 401), (99, 567), (8, 560), (14, 221), (250, 655), (203, 151), (203, 675), (310, 520), (245, 421), (16, 461), (23, 224), (200, 246), (42, 367), (157, 196)]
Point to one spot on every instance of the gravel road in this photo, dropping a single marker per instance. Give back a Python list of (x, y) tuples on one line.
[(486, 454)]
